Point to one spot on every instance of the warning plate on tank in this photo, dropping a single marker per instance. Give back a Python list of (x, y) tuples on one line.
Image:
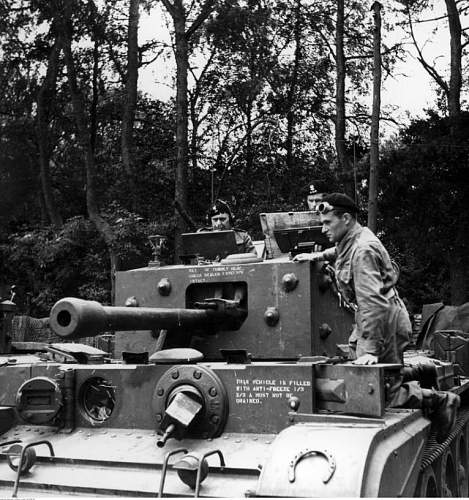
[(259, 398), (201, 274)]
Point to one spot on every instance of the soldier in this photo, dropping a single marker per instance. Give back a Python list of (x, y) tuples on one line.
[(382, 330), (315, 194), (222, 219)]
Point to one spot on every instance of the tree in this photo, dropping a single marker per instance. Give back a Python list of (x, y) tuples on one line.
[(19, 76), (459, 263), (293, 87), (130, 101), (83, 135), (342, 159), (182, 38), (266, 82), (352, 61), (424, 180), (44, 100), (374, 133)]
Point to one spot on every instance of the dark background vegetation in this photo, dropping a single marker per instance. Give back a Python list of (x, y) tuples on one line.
[(261, 113)]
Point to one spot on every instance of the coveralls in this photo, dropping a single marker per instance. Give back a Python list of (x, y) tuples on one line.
[(382, 326)]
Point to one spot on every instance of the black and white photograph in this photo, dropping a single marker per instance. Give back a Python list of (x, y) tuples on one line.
[(234, 248)]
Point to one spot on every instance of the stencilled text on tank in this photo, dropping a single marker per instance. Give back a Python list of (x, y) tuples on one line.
[(256, 391), (202, 274)]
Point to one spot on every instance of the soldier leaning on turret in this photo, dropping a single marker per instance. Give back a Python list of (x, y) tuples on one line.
[(382, 330), (222, 219)]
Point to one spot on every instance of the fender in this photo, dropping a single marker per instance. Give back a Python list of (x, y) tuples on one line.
[(343, 456)]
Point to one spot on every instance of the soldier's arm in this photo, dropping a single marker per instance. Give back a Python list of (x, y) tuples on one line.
[(329, 254), (372, 305), (248, 244)]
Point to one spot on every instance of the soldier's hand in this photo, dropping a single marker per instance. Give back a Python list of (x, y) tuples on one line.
[(312, 257), (366, 359)]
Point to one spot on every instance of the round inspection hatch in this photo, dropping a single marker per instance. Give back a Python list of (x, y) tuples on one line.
[(97, 399)]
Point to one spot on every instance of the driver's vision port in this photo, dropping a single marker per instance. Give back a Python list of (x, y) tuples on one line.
[(97, 399)]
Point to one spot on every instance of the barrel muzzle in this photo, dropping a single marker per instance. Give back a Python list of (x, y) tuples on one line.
[(76, 318)]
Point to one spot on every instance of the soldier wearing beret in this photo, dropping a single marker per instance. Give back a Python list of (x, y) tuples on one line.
[(222, 219), (366, 278), (315, 193)]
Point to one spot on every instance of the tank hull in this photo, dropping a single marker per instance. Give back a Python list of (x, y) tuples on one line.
[(385, 456)]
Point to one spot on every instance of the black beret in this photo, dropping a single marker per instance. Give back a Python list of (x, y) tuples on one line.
[(220, 207), (316, 187), (342, 201)]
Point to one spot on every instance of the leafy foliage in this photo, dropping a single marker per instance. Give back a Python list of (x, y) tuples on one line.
[(425, 186), (73, 261), (262, 109)]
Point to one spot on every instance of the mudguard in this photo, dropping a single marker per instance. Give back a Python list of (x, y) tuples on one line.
[(333, 456)]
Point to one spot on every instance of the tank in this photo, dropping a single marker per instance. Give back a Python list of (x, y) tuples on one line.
[(227, 379)]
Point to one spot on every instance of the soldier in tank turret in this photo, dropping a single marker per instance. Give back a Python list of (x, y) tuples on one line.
[(222, 219), (315, 192), (366, 278)]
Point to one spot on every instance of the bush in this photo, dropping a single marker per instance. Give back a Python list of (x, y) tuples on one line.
[(50, 264)]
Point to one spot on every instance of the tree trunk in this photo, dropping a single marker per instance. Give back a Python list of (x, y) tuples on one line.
[(84, 143), (455, 81), (182, 64), (249, 130), (181, 37), (291, 97), (459, 263), (194, 134), (342, 160), (375, 114), (44, 98), (130, 101), (94, 97)]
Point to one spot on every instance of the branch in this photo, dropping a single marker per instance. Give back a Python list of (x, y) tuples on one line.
[(198, 81), (203, 14), (230, 161), (331, 50), (201, 119), (153, 59), (430, 20), (390, 120), (170, 8), (383, 53), (428, 68), (461, 10), (364, 56), (115, 59)]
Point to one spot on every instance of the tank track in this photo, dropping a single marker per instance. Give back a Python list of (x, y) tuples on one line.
[(434, 450), (444, 469)]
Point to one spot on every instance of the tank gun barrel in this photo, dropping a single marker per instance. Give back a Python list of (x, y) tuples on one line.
[(73, 318)]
